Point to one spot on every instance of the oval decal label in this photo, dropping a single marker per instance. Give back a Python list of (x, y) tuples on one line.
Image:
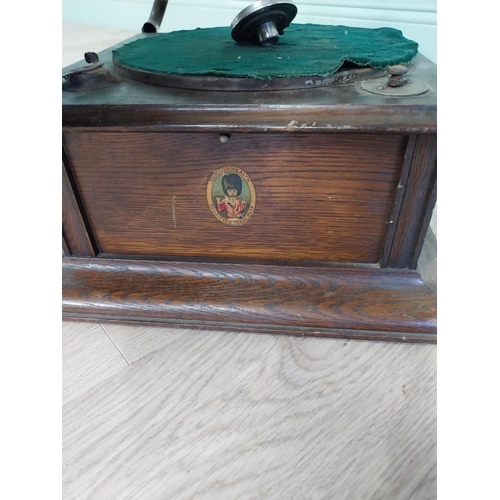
[(231, 196)]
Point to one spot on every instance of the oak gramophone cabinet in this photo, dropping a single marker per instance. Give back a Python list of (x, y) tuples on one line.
[(291, 204)]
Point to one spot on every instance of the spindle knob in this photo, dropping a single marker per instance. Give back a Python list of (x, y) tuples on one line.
[(263, 21)]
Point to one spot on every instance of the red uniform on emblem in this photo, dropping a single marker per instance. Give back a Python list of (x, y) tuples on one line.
[(233, 207), (230, 203)]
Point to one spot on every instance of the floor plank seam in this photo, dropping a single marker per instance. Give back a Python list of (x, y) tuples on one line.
[(116, 345), (423, 479)]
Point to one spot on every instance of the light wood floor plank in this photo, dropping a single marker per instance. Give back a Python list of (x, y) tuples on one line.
[(240, 416), (89, 357), (427, 489), (138, 341)]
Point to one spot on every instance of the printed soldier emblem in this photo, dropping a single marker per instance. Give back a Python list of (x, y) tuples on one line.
[(231, 196)]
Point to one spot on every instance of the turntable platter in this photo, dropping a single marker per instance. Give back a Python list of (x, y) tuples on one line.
[(309, 55)]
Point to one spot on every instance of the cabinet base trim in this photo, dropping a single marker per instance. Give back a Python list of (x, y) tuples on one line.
[(332, 301)]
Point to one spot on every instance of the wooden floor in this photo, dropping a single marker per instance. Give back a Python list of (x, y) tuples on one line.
[(154, 413), (157, 414)]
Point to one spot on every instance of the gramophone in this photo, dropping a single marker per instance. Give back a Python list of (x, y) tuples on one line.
[(266, 176)]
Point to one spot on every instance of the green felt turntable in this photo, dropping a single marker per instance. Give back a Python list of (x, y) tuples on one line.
[(267, 176), (310, 55)]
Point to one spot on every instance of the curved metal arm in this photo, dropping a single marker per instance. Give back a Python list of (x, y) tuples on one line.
[(156, 17)]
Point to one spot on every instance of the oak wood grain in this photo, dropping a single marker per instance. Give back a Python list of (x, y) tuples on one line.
[(227, 415), (76, 240), (328, 301), (319, 198), (398, 200), (416, 207), (136, 342), (89, 358), (427, 489)]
